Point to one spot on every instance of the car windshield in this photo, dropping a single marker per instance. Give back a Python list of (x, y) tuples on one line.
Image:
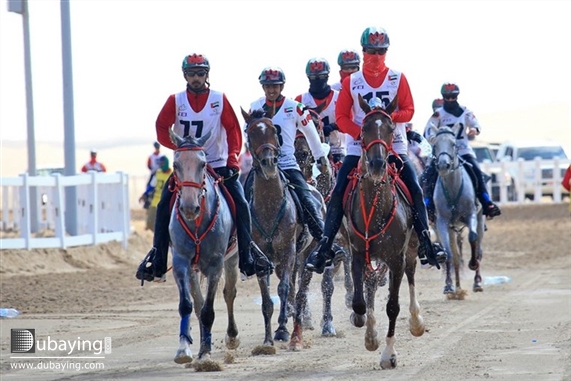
[(546, 153), (483, 153)]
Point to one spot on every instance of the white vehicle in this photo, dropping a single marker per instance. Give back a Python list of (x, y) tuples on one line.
[(528, 151), (485, 153)]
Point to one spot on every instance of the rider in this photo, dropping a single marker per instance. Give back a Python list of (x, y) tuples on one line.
[(196, 111), (450, 114), (317, 71), (348, 61), (291, 116), (375, 80)]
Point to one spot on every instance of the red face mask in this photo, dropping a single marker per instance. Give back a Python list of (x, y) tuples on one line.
[(374, 62)]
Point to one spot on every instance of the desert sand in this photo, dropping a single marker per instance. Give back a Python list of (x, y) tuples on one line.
[(519, 330)]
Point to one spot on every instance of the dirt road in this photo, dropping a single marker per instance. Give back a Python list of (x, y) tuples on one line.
[(519, 330)]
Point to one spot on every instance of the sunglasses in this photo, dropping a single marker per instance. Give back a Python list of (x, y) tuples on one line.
[(350, 68), (200, 73), (379, 51), (320, 76), (451, 97)]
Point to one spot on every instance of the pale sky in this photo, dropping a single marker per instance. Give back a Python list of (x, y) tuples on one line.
[(127, 55)]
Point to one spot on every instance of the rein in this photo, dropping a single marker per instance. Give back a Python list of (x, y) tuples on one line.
[(176, 188)]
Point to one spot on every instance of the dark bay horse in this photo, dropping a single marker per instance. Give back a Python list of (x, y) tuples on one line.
[(456, 209), (200, 228), (276, 227), (324, 184), (380, 226)]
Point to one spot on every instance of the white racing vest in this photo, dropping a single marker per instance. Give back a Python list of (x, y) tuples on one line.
[(386, 92), (198, 124)]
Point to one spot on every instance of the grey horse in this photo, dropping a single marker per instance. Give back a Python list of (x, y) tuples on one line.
[(456, 208)]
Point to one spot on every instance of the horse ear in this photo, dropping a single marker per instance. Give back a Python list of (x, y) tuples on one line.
[(364, 105), (245, 115), (200, 141), (177, 140), (392, 106)]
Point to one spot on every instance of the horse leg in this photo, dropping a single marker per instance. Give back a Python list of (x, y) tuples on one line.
[(347, 270), (267, 308), (231, 278), (456, 258), (444, 235), (389, 354), (181, 274), (371, 334), (301, 309), (415, 321), (478, 287), (207, 315), (359, 306), (327, 289), (282, 333)]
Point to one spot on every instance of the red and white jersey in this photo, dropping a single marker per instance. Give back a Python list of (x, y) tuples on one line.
[(198, 124), (386, 92), (153, 161), (466, 120), (337, 139), (289, 118), (93, 166)]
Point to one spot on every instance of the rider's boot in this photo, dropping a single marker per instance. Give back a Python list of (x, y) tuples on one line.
[(322, 256), (153, 267), (428, 181), (489, 208), (428, 253)]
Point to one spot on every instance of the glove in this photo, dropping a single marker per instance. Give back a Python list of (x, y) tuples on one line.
[(413, 136), (323, 166), (226, 172), (329, 128)]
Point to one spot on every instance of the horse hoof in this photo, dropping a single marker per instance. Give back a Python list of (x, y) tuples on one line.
[(357, 320), (372, 344), (232, 342), (448, 289), (281, 335), (328, 330), (477, 287), (390, 363), (183, 356)]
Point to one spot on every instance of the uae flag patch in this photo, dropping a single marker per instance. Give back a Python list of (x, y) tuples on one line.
[(393, 77)]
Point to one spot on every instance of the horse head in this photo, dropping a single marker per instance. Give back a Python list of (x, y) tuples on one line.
[(189, 167), (263, 142), (444, 148), (376, 136)]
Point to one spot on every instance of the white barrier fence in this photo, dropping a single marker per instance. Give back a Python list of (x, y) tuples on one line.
[(514, 182), (103, 211), (103, 202)]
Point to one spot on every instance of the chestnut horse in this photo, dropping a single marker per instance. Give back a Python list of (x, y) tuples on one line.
[(380, 226)]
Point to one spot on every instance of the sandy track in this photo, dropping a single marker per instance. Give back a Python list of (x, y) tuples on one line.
[(519, 330)]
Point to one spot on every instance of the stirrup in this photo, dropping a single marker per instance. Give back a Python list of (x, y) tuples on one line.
[(145, 269), (262, 264)]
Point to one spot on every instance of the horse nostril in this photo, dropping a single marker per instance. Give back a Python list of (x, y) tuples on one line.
[(275, 160), (197, 210)]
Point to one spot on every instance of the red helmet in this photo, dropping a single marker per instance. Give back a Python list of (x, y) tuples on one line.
[(449, 89), (272, 76), (348, 57), (195, 61)]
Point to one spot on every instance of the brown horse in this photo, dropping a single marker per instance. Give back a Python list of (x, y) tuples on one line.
[(276, 226), (380, 226)]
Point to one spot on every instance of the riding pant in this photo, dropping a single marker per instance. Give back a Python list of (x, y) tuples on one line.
[(161, 238)]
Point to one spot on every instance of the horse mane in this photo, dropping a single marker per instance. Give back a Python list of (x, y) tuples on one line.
[(259, 113)]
